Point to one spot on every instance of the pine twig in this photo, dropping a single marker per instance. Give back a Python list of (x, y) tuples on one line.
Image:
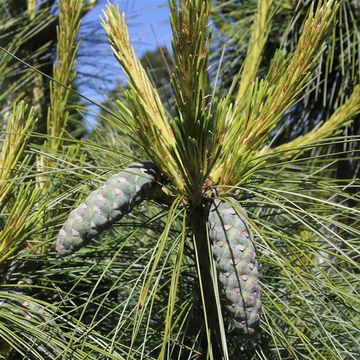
[(268, 99), (64, 72), (149, 121), (21, 220), (338, 119), (191, 43), (19, 126), (117, 32), (259, 34), (286, 88), (193, 127)]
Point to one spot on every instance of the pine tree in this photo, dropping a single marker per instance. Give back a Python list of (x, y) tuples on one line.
[(234, 219)]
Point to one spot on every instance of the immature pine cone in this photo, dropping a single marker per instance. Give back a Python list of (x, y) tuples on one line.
[(116, 198), (234, 252)]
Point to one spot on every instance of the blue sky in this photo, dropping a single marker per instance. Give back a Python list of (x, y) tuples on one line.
[(148, 23)]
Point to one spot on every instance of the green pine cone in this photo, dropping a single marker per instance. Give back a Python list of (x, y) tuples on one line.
[(26, 309), (23, 314), (234, 252), (116, 198)]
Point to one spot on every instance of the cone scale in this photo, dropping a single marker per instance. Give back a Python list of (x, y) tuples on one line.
[(116, 198), (234, 252)]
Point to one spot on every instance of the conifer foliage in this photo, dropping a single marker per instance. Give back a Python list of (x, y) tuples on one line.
[(245, 249)]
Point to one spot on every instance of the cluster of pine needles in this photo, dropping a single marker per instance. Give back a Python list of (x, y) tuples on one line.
[(264, 105)]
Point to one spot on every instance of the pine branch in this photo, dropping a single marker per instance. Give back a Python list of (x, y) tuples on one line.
[(116, 29), (339, 118), (19, 126), (191, 43), (281, 94), (16, 34), (268, 99), (21, 220), (259, 34), (149, 121), (64, 72), (212, 314), (90, 4), (193, 126)]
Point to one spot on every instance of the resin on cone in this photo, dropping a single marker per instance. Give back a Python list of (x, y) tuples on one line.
[(116, 198), (234, 252)]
